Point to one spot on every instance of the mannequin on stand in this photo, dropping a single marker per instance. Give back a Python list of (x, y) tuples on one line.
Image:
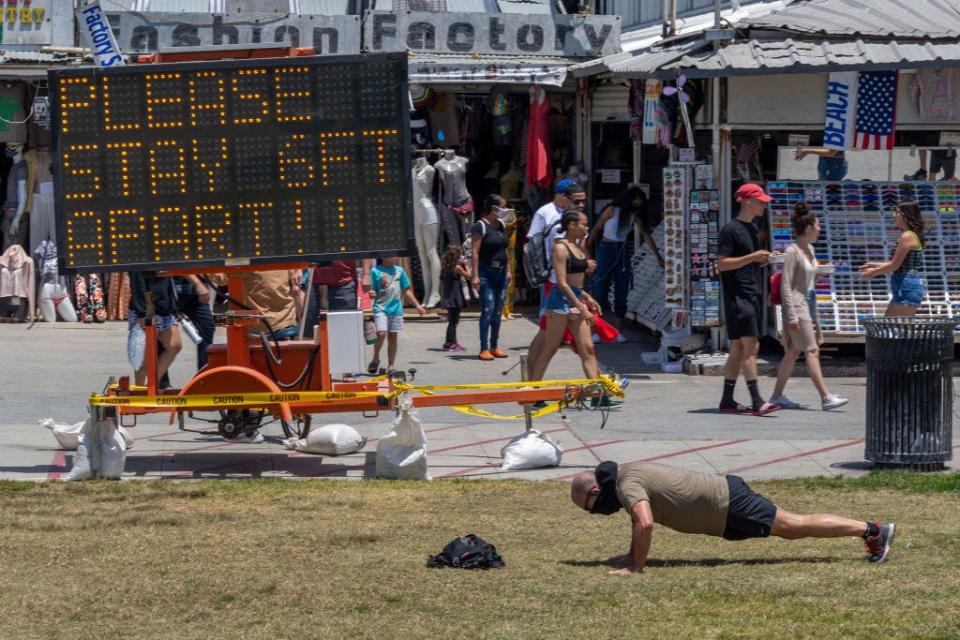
[(54, 298), (14, 227), (457, 212), (427, 227)]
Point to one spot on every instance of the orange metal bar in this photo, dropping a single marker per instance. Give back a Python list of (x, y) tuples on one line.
[(323, 338), (238, 349), (150, 335), (192, 271)]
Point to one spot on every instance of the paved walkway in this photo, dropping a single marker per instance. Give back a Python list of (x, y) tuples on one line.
[(668, 418)]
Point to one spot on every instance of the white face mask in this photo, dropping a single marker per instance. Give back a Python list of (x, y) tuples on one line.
[(503, 213)]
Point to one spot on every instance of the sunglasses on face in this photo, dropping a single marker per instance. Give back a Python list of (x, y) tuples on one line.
[(578, 200)]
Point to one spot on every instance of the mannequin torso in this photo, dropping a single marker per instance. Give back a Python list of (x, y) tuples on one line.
[(453, 178), (423, 208)]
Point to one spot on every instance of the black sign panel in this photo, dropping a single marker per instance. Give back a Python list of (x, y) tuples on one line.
[(234, 162)]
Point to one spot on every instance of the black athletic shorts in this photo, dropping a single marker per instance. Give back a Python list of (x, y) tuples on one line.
[(743, 316), (750, 514)]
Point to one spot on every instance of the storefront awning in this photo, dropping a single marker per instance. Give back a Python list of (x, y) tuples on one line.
[(758, 57), (488, 69)]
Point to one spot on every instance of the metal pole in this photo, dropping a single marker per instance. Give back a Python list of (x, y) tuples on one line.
[(524, 372), (716, 14)]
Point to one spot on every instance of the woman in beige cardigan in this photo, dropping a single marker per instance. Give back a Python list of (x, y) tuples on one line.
[(801, 333)]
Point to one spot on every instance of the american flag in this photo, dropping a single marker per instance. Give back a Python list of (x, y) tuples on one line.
[(876, 110)]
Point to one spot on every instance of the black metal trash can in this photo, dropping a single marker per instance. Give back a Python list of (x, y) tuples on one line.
[(909, 392)]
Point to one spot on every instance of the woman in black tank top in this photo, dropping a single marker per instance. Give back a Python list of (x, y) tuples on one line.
[(568, 306)]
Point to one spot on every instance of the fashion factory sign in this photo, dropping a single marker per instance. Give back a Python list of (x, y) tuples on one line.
[(484, 33), (233, 162), (141, 32)]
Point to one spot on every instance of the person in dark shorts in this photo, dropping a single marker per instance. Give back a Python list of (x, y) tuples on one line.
[(708, 504), (740, 263)]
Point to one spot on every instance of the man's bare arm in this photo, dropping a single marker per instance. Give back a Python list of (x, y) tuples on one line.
[(641, 539)]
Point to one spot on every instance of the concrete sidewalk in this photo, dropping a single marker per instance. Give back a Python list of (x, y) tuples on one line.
[(671, 418)]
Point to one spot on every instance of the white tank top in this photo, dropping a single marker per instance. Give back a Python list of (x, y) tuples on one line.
[(610, 228)]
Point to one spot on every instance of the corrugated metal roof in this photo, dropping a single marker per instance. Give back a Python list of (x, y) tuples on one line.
[(792, 56), (644, 64), (435, 68), (527, 6), (880, 18), (7, 56), (641, 42)]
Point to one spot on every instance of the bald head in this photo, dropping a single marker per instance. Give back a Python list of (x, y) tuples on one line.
[(581, 486)]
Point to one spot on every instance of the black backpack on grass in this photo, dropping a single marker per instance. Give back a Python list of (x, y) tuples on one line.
[(468, 552)]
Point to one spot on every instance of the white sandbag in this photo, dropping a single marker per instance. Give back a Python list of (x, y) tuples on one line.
[(328, 440), (113, 451), (66, 434), (101, 451), (530, 450), (127, 438), (82, 463), (402, 451)]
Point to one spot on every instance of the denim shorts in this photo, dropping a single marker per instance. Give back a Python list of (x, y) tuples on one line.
[(907, 289), (558, 303)]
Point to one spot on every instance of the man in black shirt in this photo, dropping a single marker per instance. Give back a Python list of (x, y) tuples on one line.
[(740, 263)]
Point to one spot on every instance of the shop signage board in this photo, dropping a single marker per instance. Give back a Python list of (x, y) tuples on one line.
[(97, 35), (236, 162), (26, 22), (498, 34), (142, 32)]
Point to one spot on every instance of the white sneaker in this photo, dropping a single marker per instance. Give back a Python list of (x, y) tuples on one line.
[(621, 337), (785, 402), (833, 402), (596, 339), (254, 437)]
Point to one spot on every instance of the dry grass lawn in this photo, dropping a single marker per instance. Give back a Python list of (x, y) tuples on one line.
[(335, 559)]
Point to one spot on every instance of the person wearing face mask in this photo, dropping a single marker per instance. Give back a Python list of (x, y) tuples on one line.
[(801, 334), (709, 504), (490, 274)]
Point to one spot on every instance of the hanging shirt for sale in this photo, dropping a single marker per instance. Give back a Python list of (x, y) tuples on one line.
[(539, 166)]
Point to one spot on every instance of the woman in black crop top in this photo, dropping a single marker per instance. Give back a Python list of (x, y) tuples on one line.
[(566, 305)]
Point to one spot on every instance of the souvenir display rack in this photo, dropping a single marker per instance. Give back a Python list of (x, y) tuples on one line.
[(703, 232), (645, 301), (857, 227), (674, 243)]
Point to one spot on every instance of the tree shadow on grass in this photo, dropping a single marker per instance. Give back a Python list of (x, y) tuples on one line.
[(617, 562)]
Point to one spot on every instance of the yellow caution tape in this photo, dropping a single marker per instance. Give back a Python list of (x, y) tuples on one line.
[(471, 410), (230, 399), (260, 399), (483, 413), (608, 384)]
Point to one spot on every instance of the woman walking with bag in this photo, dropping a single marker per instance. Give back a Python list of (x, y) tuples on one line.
[(490, 274), (801, 333), (566, 305)]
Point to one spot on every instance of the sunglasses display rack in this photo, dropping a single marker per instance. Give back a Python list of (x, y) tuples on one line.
[(857, 226), (674, 243), (646, 299), (703, 232)]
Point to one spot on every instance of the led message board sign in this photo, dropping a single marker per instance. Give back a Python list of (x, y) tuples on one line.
[(233, 162)]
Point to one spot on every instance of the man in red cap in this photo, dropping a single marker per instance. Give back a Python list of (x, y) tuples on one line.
[(740, 263)]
